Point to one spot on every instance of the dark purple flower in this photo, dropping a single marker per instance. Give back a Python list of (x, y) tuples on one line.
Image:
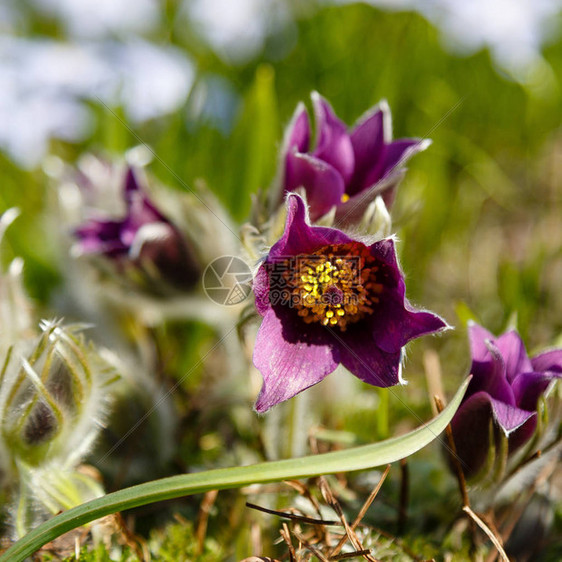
[(144, 240), (346, 170), (505, 387), (328, 299)]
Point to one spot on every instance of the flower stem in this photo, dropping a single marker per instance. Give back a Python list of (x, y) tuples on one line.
[(382, 413)]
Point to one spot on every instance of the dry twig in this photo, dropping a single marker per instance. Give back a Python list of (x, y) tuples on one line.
[(203, 519), (496, 540), (363, 510)]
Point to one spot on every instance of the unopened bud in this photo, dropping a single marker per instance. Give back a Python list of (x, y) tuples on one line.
[(52, 396)]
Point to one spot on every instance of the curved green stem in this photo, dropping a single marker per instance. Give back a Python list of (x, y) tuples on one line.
[(356, 458)]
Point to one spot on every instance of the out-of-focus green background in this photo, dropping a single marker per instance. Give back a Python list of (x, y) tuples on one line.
[(479, 212)]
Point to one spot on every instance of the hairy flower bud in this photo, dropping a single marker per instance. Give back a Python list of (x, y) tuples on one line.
[(52, 396), (53, 400)]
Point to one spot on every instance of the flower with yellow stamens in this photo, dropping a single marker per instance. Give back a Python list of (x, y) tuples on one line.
[(328, 299)]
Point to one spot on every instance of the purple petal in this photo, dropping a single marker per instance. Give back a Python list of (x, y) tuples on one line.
[(512, 349), (287, 367), (323, 184), (131, 183), (471, 427), (528, 387), (352, 211), (261, 290), (550, 360), (522, 434), (478, 337), (421, 322), (298, 132), (334, 144), (360, 355), (141, 210), (399, 152), (129, 228), (368, 141), (509, 417), (489, 375), (163, 253), (299, 237), (100, 237), (394, 321)]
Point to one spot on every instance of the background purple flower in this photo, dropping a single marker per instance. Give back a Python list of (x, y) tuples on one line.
[(505, 388), (328, 299), (143, 241), (346, 170)]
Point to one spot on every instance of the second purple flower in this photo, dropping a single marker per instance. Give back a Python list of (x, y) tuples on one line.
[(143, 244), (504, 392), (345, 170)]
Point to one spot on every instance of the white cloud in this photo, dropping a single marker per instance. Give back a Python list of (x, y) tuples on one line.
[(44, 82), (236, 30), (149, 80), (514, 30), (98, 18)]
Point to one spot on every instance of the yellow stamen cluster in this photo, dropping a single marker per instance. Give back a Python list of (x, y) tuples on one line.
[(336, 285)]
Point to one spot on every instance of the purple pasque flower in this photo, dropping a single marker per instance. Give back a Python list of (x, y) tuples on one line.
[(327, 299), (505, 387), (144, 242), (346, 170)]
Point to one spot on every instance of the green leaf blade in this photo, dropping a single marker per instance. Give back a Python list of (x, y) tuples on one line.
[(356, 458)]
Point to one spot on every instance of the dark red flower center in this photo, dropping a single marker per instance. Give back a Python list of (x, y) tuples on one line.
[(335, 285)]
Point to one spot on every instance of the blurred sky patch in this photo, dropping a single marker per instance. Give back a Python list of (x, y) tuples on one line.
[(104, 50), (513, 30)]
